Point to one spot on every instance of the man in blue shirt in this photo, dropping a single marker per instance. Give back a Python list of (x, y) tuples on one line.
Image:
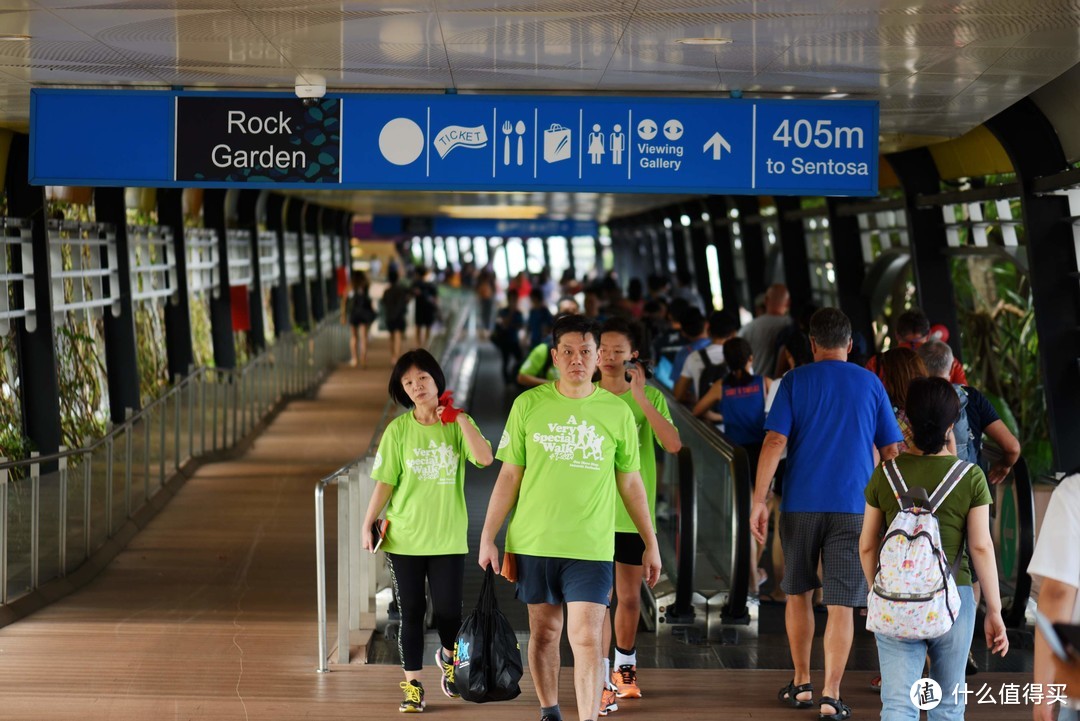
[(836, 422)]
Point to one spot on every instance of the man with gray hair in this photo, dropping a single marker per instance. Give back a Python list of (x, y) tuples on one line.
[(977, 415), (835, 420)]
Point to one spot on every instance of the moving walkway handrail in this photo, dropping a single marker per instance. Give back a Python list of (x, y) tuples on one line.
[(1015, 615), (694, 431)]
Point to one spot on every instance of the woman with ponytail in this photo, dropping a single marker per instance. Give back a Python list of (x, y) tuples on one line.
[(739, 402)]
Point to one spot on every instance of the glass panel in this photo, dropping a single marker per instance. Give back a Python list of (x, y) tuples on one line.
[(99, 482), (19, 519), (49, 500), (75, 517)]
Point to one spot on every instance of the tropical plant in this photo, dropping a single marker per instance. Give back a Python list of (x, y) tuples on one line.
[(1001, 349)]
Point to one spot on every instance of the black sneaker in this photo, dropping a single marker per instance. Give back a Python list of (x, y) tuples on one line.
[(446, 683), (550, 717), (972, 667), (414, 697)]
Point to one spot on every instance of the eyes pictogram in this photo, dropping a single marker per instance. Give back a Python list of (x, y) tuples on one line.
[(646, 129), (673, 129)]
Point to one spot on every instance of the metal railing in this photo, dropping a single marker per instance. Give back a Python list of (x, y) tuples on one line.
[(57, 511), (357, 572)]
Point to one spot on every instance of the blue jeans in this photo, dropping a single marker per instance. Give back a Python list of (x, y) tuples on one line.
[(902, 665)]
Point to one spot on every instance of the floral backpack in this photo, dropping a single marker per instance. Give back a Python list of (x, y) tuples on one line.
[(914, 595)]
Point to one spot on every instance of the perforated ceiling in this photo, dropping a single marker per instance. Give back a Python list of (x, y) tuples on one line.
[(939, 68)]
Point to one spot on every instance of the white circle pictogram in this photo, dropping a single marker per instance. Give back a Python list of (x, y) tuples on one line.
[(646, 129), (925, 694), (673, 129), (401, 141)]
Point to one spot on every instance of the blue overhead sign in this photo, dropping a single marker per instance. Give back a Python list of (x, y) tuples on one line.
[(465, 142), (542, 228)]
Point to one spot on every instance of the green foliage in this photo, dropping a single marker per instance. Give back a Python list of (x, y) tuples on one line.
[(1001, 347), (81, 379), (14, 445), (150, 349), (202, 340)]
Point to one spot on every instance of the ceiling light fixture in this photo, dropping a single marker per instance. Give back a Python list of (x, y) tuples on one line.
[(13, 37), (705, 41), (834, 96), (494, 212)]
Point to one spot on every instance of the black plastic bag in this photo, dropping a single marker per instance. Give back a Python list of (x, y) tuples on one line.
[(487, 657)]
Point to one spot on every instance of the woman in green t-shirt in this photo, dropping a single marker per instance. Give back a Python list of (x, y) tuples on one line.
[(620, 341), (420, 473), (932, 408)]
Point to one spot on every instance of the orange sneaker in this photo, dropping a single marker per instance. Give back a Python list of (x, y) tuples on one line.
[(607, 700), (625, 680)]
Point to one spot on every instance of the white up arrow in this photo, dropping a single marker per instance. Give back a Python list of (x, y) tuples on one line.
[(716, 142)]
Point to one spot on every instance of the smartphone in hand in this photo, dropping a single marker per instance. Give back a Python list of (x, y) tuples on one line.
[(378, 533)]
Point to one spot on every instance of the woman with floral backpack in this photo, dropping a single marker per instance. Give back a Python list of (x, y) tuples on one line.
[(932, 408)]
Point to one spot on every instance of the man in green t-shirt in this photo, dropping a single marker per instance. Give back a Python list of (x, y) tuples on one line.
[(566, 448)]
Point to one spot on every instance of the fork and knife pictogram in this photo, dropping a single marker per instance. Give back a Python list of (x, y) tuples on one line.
[(509, 129)]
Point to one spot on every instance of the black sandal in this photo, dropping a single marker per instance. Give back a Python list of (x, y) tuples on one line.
[(789, 695), (843, 711)]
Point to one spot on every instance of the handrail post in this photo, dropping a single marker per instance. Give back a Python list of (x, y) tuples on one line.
[(4, 527), (88, 494), (164, 413), (35, 519), (109, 491), (127, 468), (148, 422), (344, 566), (320, 572), (62, 471)]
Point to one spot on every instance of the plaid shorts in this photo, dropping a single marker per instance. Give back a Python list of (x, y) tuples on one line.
[(832, 538)]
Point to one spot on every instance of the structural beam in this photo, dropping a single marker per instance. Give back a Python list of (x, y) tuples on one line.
[(931, 266), (221, 329), (121, 356), (1035, 150), (36, 348), (178, 344), (850, 269)]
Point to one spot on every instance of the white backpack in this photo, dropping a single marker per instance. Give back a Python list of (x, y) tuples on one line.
[(914, 595)]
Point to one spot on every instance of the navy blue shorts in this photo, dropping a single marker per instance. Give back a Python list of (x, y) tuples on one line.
[(563, 580)]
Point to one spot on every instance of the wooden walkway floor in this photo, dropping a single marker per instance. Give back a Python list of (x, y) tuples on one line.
[(210, 611)]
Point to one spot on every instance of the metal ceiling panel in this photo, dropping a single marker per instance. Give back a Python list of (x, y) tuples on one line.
[(938, 67), (532, 29)]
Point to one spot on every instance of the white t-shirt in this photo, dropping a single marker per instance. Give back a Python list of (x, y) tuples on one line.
[(694, 365), (1057, 552)]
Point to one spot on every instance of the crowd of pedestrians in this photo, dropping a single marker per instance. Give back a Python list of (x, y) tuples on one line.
[(839, 453)]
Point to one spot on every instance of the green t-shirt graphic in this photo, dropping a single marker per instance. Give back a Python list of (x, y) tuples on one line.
[(927, 472), (571, 449), (646, 443), (427, 511)]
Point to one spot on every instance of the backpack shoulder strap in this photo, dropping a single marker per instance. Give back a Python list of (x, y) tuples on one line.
[(951, 480), (704, 353), (896, 482)]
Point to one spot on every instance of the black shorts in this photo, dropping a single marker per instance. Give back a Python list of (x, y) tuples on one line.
[(832, 538), (395, 324), (629, 548), (563, 580)]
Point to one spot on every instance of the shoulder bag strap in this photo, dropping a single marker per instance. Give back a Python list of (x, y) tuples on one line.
[(896, 482), (951, 480)]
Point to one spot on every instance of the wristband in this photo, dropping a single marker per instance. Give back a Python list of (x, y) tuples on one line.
[(449, 414)]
